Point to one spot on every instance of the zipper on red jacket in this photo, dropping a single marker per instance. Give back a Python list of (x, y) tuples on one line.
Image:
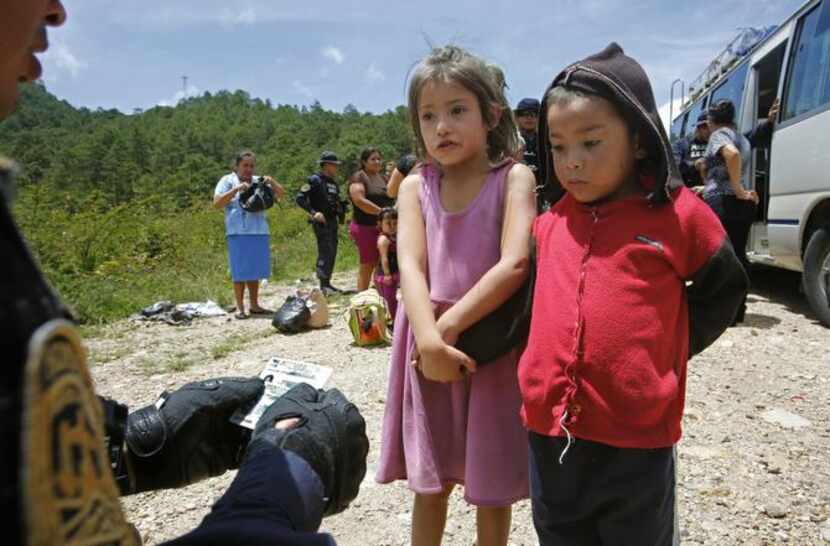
[(572, 410)]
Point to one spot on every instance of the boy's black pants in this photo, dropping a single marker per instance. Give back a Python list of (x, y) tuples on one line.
[(601, 495)]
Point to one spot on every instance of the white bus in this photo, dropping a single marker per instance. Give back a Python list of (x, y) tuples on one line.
[(792, 176)]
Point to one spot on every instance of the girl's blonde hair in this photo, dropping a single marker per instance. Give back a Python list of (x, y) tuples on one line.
[(452, 64)]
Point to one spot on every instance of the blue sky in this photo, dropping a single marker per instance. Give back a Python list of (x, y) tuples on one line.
[(130, 54)]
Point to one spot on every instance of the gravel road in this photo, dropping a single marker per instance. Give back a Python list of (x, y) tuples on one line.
[(753, 463)]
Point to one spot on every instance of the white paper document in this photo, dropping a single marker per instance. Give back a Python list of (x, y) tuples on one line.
[(281, 374)]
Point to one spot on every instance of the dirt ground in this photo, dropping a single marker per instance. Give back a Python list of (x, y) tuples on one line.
[(753, 463)]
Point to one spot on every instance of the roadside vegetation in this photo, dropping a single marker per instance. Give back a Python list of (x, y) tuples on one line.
[(117, 208)]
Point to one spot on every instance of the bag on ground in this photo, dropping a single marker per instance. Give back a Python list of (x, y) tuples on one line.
[(316, 302), (368, 318), (293, 316)]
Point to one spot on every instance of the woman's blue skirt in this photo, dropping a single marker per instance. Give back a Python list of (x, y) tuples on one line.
[(249, 257)]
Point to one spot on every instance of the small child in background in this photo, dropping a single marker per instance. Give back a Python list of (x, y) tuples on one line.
[(387, 278), (603, 377)]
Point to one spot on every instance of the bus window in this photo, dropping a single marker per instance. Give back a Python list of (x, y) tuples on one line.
[(677, 128), (808, 87), (732, 89), (691, 117)]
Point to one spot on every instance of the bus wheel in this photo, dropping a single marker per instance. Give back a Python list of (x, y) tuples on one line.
[(817, 274)]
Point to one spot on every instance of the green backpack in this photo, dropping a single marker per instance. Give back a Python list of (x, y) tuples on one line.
[(368, 319)]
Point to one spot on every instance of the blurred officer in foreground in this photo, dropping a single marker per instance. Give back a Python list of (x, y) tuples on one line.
[(69, 454)]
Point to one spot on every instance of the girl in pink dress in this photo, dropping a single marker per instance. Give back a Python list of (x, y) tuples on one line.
[(463, 234)]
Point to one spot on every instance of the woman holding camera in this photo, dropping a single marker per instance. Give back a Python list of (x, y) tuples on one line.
[(247, 235)]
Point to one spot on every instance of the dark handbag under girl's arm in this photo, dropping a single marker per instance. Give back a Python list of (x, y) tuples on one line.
[(505, 328)]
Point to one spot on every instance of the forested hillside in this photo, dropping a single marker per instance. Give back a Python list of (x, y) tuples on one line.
[(117, 207)]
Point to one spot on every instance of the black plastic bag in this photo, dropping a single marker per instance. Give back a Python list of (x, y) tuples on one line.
[(292, 316)]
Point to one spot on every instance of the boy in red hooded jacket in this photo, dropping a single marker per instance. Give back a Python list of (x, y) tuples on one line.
[(634, 275)]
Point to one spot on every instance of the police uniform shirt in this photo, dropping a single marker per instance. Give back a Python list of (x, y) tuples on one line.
[(530, 157), (320, 194), (697, 149)]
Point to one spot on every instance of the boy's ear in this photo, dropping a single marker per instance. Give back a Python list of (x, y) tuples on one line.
[(639, 151)]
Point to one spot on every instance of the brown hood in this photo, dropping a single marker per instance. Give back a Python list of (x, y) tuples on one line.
[(621, 80)]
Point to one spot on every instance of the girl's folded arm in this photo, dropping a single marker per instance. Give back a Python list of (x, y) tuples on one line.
[(412, 263), (504, 278)]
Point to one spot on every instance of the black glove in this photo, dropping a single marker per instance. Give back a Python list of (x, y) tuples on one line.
[(330, 436), (187, 436)]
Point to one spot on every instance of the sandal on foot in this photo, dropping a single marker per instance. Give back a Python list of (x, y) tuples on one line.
[(261, 311), (240, 316)]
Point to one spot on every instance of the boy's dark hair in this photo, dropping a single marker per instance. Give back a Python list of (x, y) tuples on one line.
[(722, 112), (387, 212)]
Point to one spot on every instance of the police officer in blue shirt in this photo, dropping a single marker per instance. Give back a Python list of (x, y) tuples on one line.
[(320, 197)]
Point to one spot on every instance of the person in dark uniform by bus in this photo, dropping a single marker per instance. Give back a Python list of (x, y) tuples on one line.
[(689, 153), (527, 118), (527, 115), (69, 454), (688, 150), (320, 198)]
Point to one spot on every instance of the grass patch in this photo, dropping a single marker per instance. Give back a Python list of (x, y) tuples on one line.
[(104, 357), (230, 344), (180, 364), (109, 264)]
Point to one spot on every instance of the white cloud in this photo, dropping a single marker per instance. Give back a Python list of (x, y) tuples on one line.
[(375, 74), (247, 16), (302, 89), (191, 91), (333, 54), (63, 60)]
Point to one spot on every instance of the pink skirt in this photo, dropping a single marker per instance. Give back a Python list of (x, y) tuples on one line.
[(468, 432), (366, 239)]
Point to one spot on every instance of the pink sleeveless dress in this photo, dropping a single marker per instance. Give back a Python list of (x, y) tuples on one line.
[(468, 432)]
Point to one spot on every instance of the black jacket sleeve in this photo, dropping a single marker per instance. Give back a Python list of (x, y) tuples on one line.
[(305, 198), (276, 499), (716, 292), (761, 135)]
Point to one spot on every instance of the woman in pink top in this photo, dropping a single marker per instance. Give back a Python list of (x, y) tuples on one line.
[(463, 234)]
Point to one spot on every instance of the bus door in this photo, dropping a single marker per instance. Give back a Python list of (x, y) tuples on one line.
[(766, 75)]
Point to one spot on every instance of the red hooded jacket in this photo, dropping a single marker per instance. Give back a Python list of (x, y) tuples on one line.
[(625, 290)]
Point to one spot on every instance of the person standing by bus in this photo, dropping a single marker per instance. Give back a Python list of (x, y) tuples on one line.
[(688, 150), (726, 189)]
